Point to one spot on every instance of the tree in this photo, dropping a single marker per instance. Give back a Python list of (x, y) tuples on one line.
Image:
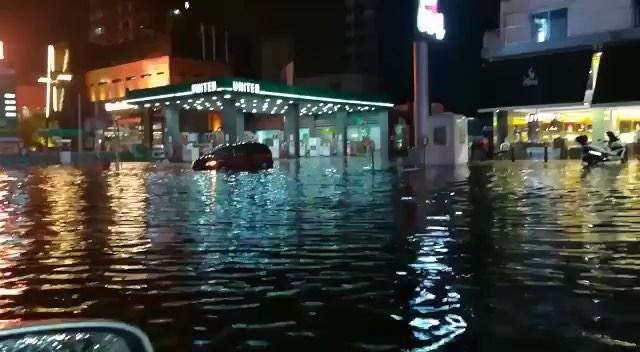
[(28, 127)]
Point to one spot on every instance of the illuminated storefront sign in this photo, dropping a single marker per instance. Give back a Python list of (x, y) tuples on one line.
[(206, 87), (119, 106), (429, 20), (10, 108), (246, 87)]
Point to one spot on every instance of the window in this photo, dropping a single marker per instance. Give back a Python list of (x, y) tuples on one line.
[(549, 25), (636, 12), (440, 136)]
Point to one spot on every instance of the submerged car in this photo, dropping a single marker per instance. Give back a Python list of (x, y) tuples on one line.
[(246, 156)]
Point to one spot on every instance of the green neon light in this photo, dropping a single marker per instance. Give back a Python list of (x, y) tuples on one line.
[(264, 93)]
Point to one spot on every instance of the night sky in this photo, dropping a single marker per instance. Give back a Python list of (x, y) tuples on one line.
[(26, 26)]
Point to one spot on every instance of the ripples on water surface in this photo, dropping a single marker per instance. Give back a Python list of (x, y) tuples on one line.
[(502, 258)]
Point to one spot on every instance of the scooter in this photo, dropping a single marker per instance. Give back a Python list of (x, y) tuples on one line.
[(592, 155)]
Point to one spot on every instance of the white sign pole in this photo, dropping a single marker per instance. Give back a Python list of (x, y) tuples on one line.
[(430, 25), (421, 97)]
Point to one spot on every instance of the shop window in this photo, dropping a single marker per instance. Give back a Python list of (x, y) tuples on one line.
[(549, 25)]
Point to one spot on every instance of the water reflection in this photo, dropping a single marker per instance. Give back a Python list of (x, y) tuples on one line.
[(322, 256)]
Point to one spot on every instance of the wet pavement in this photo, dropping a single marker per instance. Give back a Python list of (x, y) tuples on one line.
[(326, 257)]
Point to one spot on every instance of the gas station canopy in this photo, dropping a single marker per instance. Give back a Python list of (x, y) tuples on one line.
[(249, 96)]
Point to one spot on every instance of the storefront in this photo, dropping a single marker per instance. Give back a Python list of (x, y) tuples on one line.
[(551, 99), (292, 121)]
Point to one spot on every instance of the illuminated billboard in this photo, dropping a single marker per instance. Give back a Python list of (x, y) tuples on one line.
[(429, 20)]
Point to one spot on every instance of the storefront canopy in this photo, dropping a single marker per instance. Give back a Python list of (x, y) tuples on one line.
[(251, 96), (619, 75), (552, 79)]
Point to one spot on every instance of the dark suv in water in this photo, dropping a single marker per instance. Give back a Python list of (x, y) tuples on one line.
[(246, 156)]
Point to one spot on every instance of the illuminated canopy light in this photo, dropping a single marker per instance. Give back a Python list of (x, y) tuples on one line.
[(429, 20), (156, 97), (332, 100), (254, 88)]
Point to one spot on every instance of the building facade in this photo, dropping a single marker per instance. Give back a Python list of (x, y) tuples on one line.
[(556, 69), (114, 22), (362, 43)]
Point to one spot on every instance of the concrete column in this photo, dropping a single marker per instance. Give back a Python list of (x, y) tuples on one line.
[(600, 126), (342, 121), (172, 138), (292, 130), (232, 122), (383, 121), (501, 124), (147, 129), (240, 118)]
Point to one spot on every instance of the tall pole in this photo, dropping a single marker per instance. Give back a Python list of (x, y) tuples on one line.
[(226, 46), (213, 43), (80, 146), (420, 96), (202, 37)]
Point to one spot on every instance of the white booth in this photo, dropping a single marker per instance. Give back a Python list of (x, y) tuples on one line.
[(447, 140), (64, 146)]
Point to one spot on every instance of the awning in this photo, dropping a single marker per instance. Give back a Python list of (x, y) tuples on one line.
[(550, 79), (619, 75)]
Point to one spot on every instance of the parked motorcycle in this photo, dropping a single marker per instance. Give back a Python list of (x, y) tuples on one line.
[(613, 152)]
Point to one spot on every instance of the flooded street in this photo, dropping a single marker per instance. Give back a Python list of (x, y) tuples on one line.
[(323, 257)]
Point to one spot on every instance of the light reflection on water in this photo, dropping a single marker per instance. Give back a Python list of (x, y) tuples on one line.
[(319, 257)]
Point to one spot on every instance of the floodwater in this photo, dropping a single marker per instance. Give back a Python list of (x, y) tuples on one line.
[(327, 257)]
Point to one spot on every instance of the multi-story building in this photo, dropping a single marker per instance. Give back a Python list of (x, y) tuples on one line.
[(359, 69), (362, 35), (556, 69), (117, 21)]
